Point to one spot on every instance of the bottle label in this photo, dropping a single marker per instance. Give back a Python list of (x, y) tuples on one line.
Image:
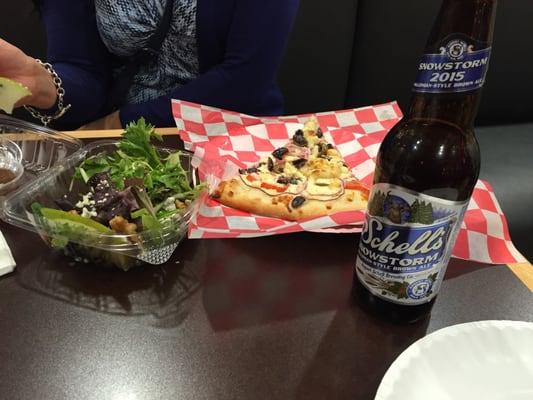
[(458, 67), (406, 243)]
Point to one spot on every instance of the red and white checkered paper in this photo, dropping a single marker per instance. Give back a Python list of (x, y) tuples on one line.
[(225, 141)]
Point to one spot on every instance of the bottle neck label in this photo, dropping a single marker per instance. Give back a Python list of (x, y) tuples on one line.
[(406, 244), (458, 67)]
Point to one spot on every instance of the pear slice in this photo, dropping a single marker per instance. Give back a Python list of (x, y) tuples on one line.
[(10, 93)]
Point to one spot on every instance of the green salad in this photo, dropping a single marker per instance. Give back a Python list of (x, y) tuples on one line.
[(133, 189)]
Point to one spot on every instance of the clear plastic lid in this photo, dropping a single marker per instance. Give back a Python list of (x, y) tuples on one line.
[(154, 247)]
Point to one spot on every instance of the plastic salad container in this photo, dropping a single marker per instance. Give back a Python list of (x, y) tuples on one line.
[(91, 246), (29, 150)]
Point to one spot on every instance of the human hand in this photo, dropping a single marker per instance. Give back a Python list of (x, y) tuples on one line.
[(111, 121), (16, 65)]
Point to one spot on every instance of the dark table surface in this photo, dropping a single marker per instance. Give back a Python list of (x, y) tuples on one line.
[(266, 318)]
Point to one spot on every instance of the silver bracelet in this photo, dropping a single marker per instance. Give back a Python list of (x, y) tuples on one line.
[(61, 108)]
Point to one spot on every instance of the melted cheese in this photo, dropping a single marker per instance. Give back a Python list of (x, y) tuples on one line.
[(296, 189), (333, 153), (322, 177), (291, 171), (289, 158), (323, 186), (263, 168), (322, 168), (311, 125), (271, 178), (345, 173), (268, 177), (314, 152), (312, 139)]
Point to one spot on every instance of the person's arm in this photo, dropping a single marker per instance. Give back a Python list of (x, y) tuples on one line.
[(78, 56), (255, 48), (16, 65)]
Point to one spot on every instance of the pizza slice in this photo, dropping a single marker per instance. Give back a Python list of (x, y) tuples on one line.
[(306, 178)]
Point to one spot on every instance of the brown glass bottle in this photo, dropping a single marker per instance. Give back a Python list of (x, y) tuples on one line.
[(433, 151)]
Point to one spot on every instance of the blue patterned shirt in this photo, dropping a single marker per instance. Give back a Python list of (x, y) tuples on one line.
[(125, 27)]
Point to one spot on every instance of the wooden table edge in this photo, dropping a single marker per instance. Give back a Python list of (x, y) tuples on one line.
[(524, 272), (113, 133)]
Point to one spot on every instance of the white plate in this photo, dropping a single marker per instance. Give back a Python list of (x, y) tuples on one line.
[(487, 360)]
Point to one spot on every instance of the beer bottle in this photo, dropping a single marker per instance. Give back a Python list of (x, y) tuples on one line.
[(426, 169)]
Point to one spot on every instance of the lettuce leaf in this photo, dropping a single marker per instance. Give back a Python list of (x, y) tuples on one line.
[(136, 142)]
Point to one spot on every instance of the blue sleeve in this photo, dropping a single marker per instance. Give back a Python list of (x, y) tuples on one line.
[(255, 48), (78, 56)]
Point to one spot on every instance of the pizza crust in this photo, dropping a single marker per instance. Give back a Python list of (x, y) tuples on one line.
[(236, 194)]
